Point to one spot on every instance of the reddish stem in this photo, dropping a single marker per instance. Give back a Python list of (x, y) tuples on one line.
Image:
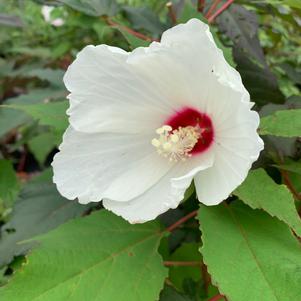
[(171, 13), (217, 297), (181, 221), (220, 10), (182, 263), (22, 162), (129, 30), (290, 185), (212, 8), (201, 5), (206, 278)]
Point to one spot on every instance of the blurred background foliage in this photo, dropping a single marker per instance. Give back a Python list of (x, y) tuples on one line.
[(39, 39)]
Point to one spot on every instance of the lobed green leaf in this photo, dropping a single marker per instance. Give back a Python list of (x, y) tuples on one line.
[(51, 113), (250, 255), (259, 191), (38, 209), (285, 123), (98, 257)]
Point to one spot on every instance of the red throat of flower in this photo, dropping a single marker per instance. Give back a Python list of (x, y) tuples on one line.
[(190, 117), (186, 133)]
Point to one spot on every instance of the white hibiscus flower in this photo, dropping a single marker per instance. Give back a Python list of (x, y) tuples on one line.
[(144, 124)]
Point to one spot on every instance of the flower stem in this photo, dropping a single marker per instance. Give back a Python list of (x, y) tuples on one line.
[(201, 5), (181, 221), (220, 10), (182, 263), (129, 30), (212, 8), (216, 298), (171, 12), (289, 184)]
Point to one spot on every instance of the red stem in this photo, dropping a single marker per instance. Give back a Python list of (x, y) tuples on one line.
[(206, 278), (171, 13), (201, 5), (182, 221), (220, 10), (129, 30), (212, 8), (182, 263), (290, 185), (22, 161), (217, 297)]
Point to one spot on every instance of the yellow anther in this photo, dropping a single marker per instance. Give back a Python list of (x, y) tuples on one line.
[(174, 138), (167, 128), (160, 130), (156, 142), (176, 145), (167, 146)]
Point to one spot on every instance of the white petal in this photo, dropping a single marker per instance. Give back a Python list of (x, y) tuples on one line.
[(198, 38), (140, 177), (236, 146), (121, 166), (142, 89), (166, 194), (117, 101), (187, 66), (107, 96)]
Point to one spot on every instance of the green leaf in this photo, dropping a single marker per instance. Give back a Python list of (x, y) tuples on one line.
[(293, 3), (98, 257), (43, 144), (250, 255), (93, 7), (144, 18), (10, 118), (170, 294), (51, 113), (133, 41), (292, 166), (241, 27), (189, 11), (38, 209), (53, 76), (8, 20), (190, 191), (285, 123), (9, 185), (177, 274), (259, 191), (227, 51)]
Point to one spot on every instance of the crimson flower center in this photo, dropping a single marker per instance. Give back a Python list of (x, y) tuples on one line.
[(184, 134), (190, 117)]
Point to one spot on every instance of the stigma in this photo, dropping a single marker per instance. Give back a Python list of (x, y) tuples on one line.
[(177, 144)]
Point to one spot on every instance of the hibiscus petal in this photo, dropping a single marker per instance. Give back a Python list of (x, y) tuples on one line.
[(186, 72), (90, 166), (237, 145), (166, 194), (101, 85), (195, 35)]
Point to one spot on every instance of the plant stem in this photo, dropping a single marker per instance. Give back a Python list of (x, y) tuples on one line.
[(206, 277), (216, 298), (212, 8), (201, 5), (181, 221), (220, 10), (289, 184), (182, 263), (171, 13), (22, 162), (129, 30)]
